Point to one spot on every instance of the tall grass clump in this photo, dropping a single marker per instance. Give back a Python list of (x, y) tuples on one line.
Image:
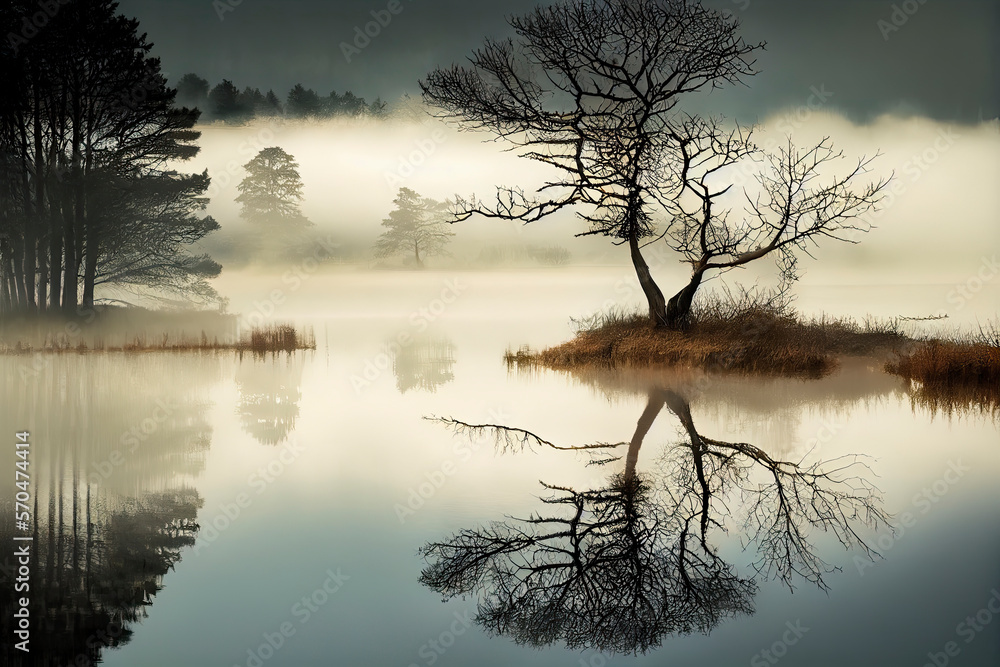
[(276, 338), (965, 370)]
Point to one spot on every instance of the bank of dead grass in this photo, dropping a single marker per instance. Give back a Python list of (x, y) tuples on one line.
[(754, 339), (954, 373)]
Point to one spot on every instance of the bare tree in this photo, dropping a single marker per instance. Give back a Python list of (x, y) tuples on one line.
[(417, 225), (632, 562), (795, 203), (591, 88)]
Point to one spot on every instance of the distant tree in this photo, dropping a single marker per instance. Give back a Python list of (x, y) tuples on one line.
[(192, 91), (416, 226), (378, 108), (591, 88), (253, 100), (271, 192), (303, 102), (224, 103), (272, 105)]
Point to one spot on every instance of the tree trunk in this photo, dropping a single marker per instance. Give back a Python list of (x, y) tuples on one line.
[(679, 306), (90, 267), (69, 291), (654, 297), (654, 403), (25, 255), (38, 255), (18, 268), (6, 281), (416, 250), (43, 278), (55, 264), (74, 217)]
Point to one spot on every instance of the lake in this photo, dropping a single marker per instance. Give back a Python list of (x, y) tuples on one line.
[(207, 509)]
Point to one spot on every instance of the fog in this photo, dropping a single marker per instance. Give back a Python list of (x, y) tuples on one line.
[(936, 224)]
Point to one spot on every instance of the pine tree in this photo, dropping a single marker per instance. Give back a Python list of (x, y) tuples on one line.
[(272, 192)]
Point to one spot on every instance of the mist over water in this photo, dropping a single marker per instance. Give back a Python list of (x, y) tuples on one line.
[(939, 220), (379, 439)]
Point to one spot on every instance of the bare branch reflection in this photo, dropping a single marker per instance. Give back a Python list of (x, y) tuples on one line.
[(620, 567)]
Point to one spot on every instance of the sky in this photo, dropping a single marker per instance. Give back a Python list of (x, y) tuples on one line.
[(933, 58)]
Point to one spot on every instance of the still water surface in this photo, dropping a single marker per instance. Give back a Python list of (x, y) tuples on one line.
[(207, 503)]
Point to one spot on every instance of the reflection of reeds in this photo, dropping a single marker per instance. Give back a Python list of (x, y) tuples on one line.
[(953, 375)]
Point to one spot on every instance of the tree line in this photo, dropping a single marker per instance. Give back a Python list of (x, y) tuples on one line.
[(89, 134), (228, 103)]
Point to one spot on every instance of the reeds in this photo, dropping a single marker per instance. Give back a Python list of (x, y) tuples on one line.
[(258, 340), (276, 338), (952, 373)]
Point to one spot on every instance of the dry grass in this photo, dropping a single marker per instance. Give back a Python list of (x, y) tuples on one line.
[(747, 336), (259, 340), (953, 374), (276, 338)]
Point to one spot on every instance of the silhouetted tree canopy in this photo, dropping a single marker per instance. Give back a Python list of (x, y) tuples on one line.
[(227, 103), (224, 102), (302, 102), (89, 140), (192, 91), (592, 89)]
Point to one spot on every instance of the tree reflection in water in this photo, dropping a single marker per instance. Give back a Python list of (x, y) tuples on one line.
[(621, 567), (113, 506), (424, 364), (270, 392)]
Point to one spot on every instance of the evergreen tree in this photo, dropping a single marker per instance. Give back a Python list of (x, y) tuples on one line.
[(272, 105), (87, 124), (271, 192), (192, 91), (225, 104), (302, 102)]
